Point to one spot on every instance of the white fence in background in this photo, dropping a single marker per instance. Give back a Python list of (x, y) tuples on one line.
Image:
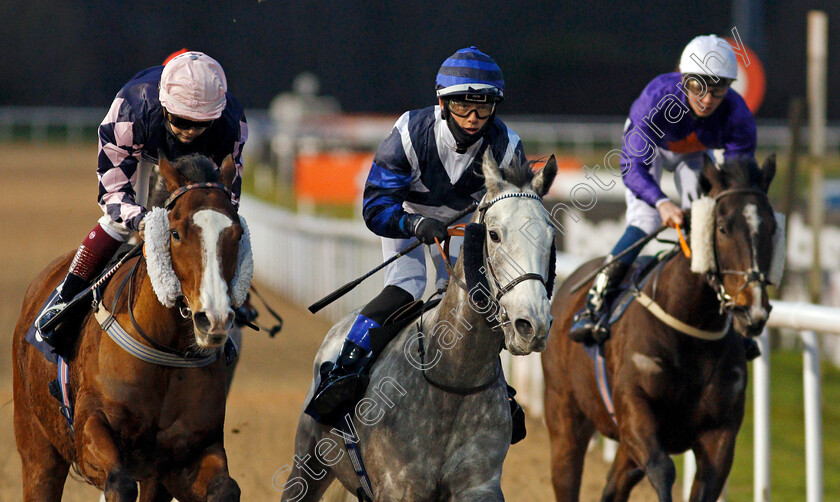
[(304, 258)]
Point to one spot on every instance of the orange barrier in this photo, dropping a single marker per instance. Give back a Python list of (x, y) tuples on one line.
[(331, 178)]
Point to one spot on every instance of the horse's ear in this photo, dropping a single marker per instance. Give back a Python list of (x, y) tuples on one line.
[(228, 171), (492, 175), (710, 177), (768, 171), (170, 175), (543, 179)]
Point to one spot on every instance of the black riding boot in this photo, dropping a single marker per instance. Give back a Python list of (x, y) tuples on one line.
[(591, 324), (342, 382), (66, 291)]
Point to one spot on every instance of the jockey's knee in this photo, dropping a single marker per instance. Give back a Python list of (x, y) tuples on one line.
[(117, 231), (386, 303)]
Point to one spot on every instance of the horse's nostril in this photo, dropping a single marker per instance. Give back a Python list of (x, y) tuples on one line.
[(202, 322), (524, 328)]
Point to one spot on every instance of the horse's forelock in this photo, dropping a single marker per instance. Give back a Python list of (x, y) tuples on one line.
[(741, 172), (196, 168), (519, 174)]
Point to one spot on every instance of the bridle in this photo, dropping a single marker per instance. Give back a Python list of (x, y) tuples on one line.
[(500, 291), (715, 276)]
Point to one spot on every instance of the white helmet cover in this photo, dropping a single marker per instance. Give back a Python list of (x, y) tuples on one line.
[(709, 55), (193, 86)]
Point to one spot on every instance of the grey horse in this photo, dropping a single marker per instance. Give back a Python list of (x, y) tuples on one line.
[(437, 427)]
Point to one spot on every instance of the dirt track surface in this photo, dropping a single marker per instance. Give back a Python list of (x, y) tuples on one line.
[(48, 205)]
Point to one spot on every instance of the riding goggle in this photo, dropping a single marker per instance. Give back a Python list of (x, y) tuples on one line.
[(699, 87), (463, 109), (182, 123)]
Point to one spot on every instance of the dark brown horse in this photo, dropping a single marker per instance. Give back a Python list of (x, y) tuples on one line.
[(137, 420), (672, 389)]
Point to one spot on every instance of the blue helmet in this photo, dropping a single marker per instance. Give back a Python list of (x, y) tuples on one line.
[(472, 72)]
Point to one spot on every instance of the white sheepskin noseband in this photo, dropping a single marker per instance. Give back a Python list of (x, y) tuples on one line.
[(702, 235), (166, 284), (777, 265)]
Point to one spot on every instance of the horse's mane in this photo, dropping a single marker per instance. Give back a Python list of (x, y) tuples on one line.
[(741, 172), (197, 168), (519, 174)]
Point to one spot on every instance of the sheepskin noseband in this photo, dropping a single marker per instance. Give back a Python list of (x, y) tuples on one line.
[(702, 235), (166, 284), (777, 265)]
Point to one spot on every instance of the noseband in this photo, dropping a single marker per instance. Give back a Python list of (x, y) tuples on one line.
[(501, 290), (715, 277)]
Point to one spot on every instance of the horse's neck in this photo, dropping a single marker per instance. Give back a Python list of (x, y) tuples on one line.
[(686, 295), (472, 358), (159, 323)]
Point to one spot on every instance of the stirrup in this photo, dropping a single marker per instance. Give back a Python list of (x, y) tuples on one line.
[(52, 309)]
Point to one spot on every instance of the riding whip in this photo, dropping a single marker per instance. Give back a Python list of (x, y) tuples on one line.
[(641, 242), (343, 290)]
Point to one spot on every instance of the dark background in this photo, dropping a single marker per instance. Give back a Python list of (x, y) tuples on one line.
[(574, 58)]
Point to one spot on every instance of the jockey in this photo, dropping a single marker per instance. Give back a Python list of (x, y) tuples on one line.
[(179, 109), (676, 120), (424, 173)]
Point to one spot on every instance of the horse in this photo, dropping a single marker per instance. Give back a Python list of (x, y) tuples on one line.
[(151, 413), (435, 421), (675, 386)]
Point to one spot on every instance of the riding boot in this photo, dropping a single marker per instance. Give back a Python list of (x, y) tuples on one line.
[(90, 259), (591, 324), (343, 382)]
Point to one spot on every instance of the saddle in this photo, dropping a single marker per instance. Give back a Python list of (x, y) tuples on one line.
[(640, 273)]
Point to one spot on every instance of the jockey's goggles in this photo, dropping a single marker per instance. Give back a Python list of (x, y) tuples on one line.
[(182, 123), (463, 108), (700, 85)]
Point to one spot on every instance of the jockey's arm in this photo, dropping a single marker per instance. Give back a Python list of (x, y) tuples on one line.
[(638, 152), (117, 162), (740, 132), (386, 189), (238, 147)]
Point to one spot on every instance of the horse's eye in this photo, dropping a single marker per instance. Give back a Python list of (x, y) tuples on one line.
[(494, 236), (722, 229), (175, 235)]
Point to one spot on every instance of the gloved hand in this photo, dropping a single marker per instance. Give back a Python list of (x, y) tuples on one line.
[(426, 229)]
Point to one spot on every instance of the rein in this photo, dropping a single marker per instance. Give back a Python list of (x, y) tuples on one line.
[(461, 391)]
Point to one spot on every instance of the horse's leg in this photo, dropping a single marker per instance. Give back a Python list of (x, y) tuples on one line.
[(44, 470), (153, 491), (206, 478), (569, 432), (308, 480), (623, 476), (714, 451), (638, 431), (100, 456)]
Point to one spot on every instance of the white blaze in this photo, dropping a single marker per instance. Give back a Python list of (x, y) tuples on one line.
[(213, 294), (753, 221)]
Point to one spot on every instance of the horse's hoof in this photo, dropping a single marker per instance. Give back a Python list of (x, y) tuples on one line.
[(751, 349)]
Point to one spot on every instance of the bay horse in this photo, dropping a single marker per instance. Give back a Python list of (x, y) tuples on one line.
[(435, 422), (672, 389), (159, 424)]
